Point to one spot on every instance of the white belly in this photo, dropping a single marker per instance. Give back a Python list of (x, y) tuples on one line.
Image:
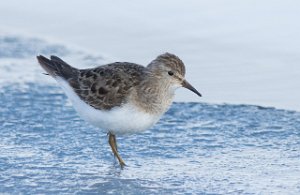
[(120, 120)]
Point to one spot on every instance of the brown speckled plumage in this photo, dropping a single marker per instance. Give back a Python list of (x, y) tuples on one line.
[(107, 86), (127, 97), (111, 85)]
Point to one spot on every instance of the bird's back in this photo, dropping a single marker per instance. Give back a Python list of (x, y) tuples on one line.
[(108, 86), (103, 87)]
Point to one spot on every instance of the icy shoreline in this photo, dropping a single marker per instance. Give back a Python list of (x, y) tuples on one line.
[(195, 148)]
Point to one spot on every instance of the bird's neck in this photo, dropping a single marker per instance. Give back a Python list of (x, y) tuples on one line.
[(154, 96)]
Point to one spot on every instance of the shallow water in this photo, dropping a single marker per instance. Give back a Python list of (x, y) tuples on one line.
[(196, 148)]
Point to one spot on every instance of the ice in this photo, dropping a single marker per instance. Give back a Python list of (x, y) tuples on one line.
[(195, 149)]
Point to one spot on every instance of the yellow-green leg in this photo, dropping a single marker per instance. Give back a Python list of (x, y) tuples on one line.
[(113, 144)]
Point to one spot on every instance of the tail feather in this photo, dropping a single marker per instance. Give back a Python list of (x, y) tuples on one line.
[(57, 67), (58, 60)]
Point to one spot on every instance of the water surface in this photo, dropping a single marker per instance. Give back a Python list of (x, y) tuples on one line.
[(196, 148)]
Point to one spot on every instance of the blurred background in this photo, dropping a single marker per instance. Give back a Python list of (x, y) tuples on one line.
[(241, 52)]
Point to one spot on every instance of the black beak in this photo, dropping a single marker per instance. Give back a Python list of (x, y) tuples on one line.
[(190, 87)]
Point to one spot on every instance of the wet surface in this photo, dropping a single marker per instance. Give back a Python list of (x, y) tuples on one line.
[(196, 148)]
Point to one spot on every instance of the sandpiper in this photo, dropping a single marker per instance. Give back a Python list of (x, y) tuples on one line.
[(120, 97)]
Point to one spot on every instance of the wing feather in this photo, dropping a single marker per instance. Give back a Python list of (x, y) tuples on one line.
[(107, 86)]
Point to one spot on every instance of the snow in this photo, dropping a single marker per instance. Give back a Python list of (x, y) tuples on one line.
[(242, 52)]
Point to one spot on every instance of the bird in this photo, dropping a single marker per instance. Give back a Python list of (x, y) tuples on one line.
[(121, 97)]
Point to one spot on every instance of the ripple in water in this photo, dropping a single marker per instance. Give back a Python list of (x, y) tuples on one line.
[(195, 148)]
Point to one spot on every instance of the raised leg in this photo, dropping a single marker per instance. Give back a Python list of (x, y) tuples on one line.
[(113, 144)]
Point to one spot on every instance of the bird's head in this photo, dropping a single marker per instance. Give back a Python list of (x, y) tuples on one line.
[(171, 71)]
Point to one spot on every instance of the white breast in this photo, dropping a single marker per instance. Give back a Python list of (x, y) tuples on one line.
[(120, 120)]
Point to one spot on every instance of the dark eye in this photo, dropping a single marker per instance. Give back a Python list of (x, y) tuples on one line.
[(171, 73)]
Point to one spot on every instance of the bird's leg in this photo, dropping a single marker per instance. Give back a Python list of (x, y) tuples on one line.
[(115, 141), (113, 144)]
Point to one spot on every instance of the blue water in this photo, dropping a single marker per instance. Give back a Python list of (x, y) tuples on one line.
[(196, 148)]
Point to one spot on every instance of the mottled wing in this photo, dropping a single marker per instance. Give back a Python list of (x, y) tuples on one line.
[(107, 86)]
